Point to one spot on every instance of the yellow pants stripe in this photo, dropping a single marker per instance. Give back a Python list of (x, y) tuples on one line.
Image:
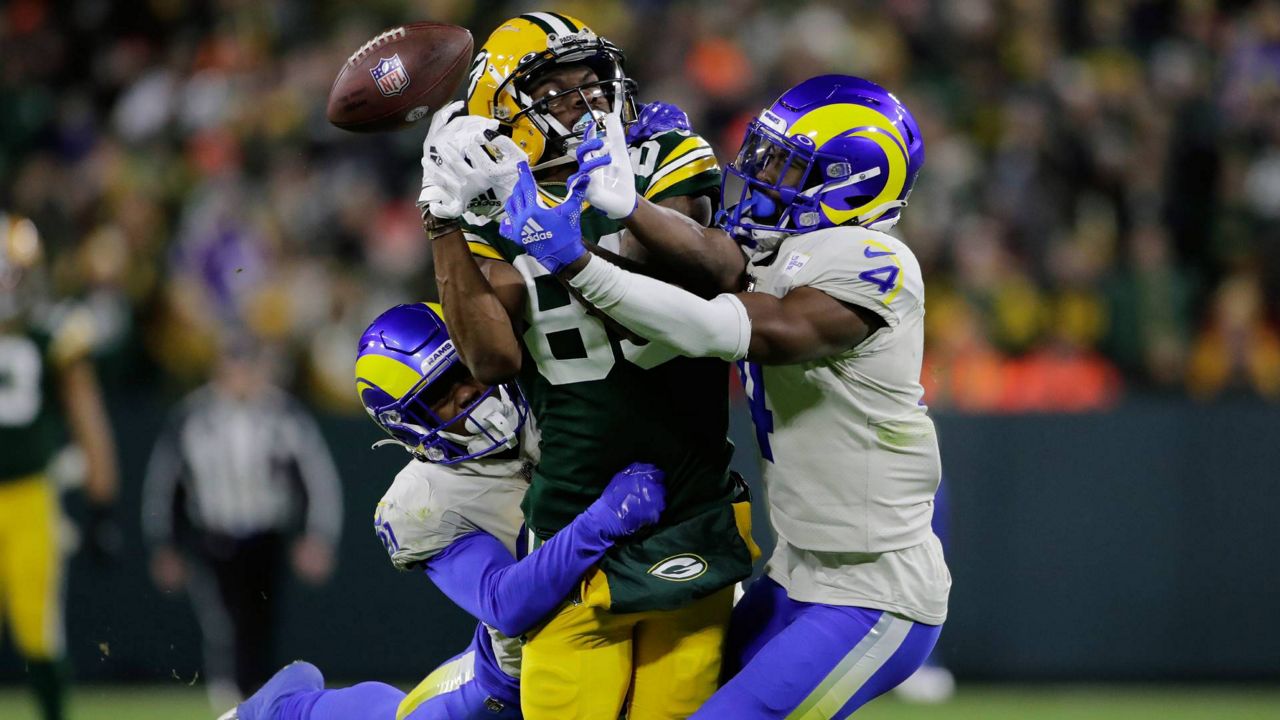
[(31, 567), (444, 679)]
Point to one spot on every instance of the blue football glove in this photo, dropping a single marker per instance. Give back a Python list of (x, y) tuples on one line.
[(655, 119), (553, 236), (633, 499)]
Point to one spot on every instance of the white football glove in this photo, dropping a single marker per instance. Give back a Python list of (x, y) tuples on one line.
[(497, 162), (463, 170), (612, 189)]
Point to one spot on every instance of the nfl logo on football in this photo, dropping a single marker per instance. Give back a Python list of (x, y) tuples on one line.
[(390, 75)]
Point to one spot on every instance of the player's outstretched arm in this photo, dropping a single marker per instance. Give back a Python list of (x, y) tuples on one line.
[(481, 307), (674, 232), (91, 429), (478, 573), (461, 167), (704, 259), (806, 324)]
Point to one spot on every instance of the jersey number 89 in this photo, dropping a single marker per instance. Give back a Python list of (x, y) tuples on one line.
[(570, 345)]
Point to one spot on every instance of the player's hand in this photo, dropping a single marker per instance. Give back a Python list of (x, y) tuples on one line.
[(633, 499), (655, 119), (312, 559), (168, 569), (612, 189), (466, 165), (553, 236), (102, 536)]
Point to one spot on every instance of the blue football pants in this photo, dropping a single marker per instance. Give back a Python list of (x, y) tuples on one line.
[(809, 661)]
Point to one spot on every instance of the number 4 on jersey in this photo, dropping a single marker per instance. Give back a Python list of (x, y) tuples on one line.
[(882, 277)]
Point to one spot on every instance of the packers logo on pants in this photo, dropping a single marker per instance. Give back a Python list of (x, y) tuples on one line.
[(679, 568)]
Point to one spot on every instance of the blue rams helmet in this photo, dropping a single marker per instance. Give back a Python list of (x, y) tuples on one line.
[(406, 367), (833, 150)]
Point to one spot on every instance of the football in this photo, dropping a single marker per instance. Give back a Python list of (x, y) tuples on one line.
[(399, 77)]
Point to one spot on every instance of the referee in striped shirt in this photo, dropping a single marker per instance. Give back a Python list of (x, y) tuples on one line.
[(239, 469)]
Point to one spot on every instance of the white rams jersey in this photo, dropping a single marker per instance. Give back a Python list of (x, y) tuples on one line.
[(850, 455), (429, 506)]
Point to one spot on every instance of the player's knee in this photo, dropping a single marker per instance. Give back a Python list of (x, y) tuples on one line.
[(550, 688), (736, 701)]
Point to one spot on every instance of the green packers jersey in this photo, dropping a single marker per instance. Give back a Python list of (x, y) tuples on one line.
[(31, 424), (604, 400)]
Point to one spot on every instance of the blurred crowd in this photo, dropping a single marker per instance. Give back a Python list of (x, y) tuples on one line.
[(1099, 214)]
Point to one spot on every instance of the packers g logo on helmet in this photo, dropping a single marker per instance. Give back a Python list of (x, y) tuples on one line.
[(516, 54)]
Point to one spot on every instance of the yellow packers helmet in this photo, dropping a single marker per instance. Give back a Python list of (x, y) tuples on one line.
[(20, 258), (521, 50)]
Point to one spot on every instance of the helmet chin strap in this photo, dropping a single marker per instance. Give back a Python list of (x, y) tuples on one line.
[(391, 441), (564, 159), (491, 426), (571, 138), (496, 418), (874, 212), (879, 210), (766, 241), (760, 242)]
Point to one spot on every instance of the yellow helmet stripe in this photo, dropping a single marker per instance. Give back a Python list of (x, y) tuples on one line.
[(827, 122), (896, 160), (436, 308), (392, 376)]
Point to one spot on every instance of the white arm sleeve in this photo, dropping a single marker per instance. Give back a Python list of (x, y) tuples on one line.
[(665, 313)]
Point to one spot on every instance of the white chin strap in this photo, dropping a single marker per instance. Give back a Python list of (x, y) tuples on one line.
[(565, 159), (570, 142), (766, 242), (496, 418), (879, 210)]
